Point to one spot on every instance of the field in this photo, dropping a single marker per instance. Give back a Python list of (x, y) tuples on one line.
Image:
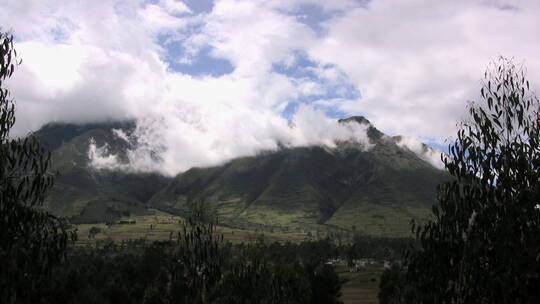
[(361, 287), (162, 226)]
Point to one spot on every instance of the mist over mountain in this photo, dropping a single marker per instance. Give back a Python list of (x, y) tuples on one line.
[(378, 189), (88, 194), (172, 144), (373, 182)]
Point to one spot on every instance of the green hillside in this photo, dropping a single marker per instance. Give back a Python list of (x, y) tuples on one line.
[(87, 195), (374, 192), (377, 191)]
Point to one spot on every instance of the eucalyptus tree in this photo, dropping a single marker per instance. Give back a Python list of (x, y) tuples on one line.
[(31, 240), (483, 244)]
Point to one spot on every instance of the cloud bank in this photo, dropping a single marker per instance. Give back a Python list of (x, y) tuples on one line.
[(170, 145), (425, 152), (208, 81)]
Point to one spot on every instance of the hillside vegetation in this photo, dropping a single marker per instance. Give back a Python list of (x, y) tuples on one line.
[(373, 192)]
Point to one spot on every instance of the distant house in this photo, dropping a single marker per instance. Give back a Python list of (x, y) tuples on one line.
[(127, 222), (336, 262), (358, 265)]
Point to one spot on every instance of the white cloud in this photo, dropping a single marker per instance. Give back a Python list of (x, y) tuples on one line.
[(119, 133), (415, 64), (174, 142), (251, 35), (101, 159), (312, 127), (176, 6), (426, 153), (163, 16)]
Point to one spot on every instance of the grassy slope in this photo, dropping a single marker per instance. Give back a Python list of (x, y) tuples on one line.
[(90, 195), (165, 224), (301, 189), (378, 191)]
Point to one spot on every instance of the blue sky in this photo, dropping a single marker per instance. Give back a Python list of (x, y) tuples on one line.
[(301, 68), (228, 78)]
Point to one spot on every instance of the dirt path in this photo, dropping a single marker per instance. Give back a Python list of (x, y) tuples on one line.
[(362, 287)]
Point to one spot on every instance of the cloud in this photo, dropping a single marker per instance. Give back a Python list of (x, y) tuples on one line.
[(176, 6), (408, 66), (312, 127), (416, 63), (251, 35), (174, 142), (100, 158), (425, 152)]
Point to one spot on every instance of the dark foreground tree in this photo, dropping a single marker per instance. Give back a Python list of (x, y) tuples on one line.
[(31, 241), (391, 286), (483, 245)]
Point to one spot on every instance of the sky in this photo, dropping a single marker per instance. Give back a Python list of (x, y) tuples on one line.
[(207, 80)]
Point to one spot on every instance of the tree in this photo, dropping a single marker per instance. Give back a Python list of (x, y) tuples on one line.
[(483, 245), (199, 260), (93, 232), (31, 241), (391, 285)]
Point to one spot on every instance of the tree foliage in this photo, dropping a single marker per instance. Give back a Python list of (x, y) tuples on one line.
[(31, 241), (204, 269), (197, 267), (483, 245)]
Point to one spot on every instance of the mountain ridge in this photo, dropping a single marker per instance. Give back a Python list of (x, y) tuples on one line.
[(376, 190)]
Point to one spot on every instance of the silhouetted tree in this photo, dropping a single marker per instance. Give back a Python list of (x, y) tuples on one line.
[(483, 245), (392, 284), (31, 241), (93, 232)]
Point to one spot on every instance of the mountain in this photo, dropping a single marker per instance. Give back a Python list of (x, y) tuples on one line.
[(85, 194), (378, 191), (375, 191)]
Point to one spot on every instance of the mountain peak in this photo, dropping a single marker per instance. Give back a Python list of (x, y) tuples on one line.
[(358, 119), (372, 132), (56, 133)]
